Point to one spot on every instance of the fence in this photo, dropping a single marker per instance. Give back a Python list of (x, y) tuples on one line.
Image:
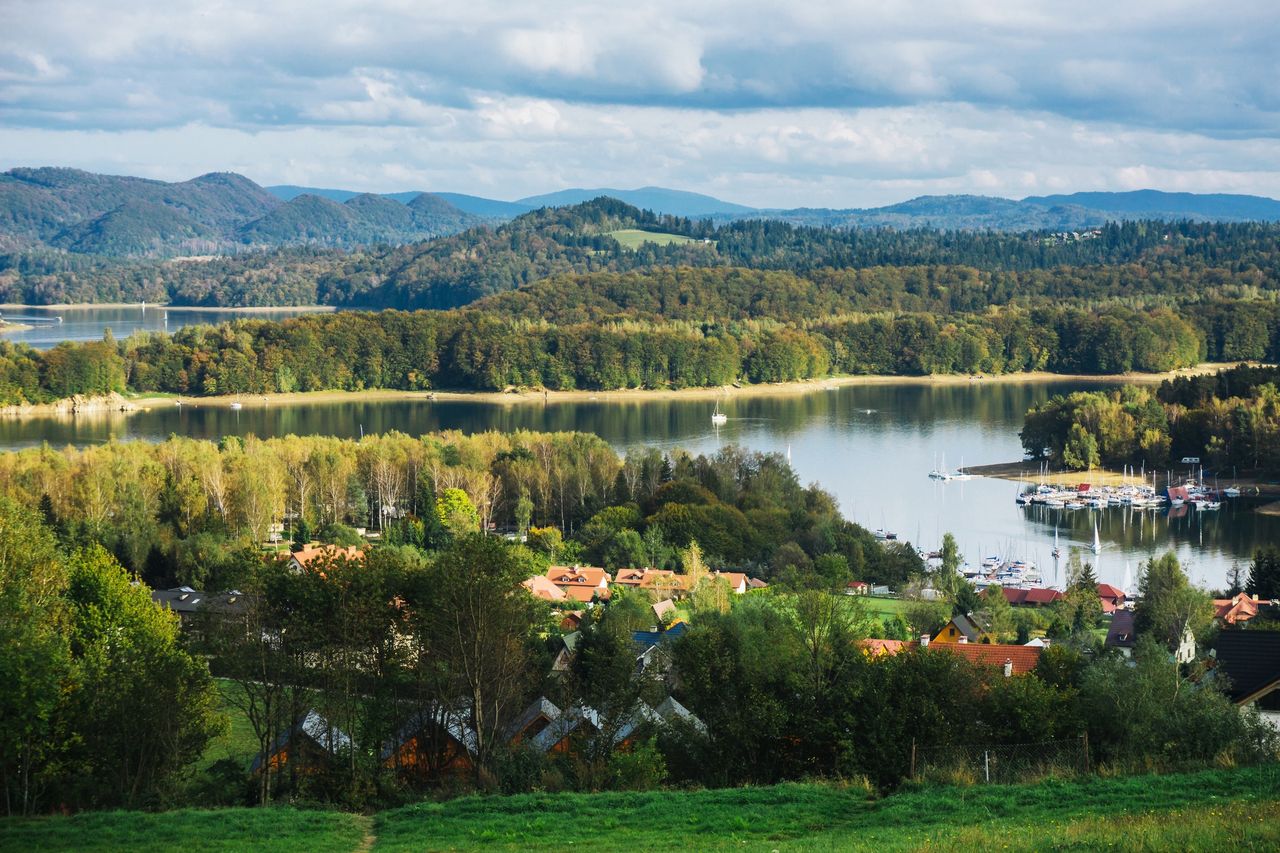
[(1001, 763)]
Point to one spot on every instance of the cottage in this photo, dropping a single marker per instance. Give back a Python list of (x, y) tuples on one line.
[(433, 741), (1249, 661), (1112, 597), (541, 713), (1012, 660), (1121, 635), (1029, 597), (964, 629), (187, 602), (737, 581), (540, 586), (309, 743), (857, 588)]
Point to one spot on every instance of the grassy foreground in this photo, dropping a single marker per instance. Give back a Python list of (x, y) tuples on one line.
[(1213, 810)]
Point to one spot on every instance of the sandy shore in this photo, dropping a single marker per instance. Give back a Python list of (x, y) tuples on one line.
[(13, 327), (307, 398), (253, 309)]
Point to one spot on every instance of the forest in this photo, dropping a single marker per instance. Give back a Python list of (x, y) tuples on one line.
[(1230, 420), (424, 626)]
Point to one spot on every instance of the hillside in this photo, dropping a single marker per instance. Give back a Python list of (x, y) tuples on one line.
[(86, 213), (1209, 811), (656, 199)]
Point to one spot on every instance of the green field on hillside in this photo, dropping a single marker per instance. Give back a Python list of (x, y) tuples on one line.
[(1214, 810), (633, 238)]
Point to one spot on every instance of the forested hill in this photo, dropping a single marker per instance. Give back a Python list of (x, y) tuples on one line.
[(1119, 260), (84, 213)]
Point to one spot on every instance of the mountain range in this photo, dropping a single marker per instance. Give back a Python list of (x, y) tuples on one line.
[(222, 212)]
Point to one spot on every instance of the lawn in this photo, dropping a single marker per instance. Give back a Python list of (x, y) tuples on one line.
[(1213, 810), (238, 742), (885, 608), (633, 238)]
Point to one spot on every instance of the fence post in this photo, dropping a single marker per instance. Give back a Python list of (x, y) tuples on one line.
[(1087, 766), (913, 759), (986, 765)]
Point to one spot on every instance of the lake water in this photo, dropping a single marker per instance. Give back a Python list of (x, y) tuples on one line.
[(88, 323), (872, 446)]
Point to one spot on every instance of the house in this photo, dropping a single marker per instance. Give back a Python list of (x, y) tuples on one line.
[(434, 740), (1029, 597), (581, 583), (1186, 651), (1121, 635), (663, 611), (1112, 597), (1250, 663), (314, 556), (663, 581), (673, 713), (564, 657), (857, 588), (737, 581), (1039, 642), (187, 602), (540, 586), (1012, 660), (541, 713), (755, 583), (964, 628), (583, 722), (1240, 608), (648, 644), (308, 743)]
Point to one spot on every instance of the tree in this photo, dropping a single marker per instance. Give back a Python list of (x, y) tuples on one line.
[(480, 633), (998, 613), (1264, 573), (143, 708), (457, 513), (35, 657), (1080, 452), (1168, 605)]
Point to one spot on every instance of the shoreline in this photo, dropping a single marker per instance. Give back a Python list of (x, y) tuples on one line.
[(1026, 471), (5, 328), (145, 401), (168, 306)]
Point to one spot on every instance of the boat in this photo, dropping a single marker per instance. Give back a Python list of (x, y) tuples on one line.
[(1231, 492), (1057, 549), (718, 417), (1097, 540), (237, 405), (1208, 505)]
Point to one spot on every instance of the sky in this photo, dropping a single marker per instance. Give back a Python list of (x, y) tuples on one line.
[(761, 102)]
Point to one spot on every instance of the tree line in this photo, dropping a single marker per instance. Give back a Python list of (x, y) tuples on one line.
[(473, 350), (1230, 420)]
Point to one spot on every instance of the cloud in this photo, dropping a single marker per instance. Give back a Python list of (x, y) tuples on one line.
[(784, 101)]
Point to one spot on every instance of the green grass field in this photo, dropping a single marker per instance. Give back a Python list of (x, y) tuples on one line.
[(633, 238), (1213, 810)]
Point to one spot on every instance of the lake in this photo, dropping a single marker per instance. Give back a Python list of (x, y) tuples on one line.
[(872, 446), (87, 323)]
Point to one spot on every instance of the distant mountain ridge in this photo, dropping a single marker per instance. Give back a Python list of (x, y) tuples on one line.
[(217, 213), (223, 212)]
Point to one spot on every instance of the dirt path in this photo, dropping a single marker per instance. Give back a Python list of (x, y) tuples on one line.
[(370, 839)]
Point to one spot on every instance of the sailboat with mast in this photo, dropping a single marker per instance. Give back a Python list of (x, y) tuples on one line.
[(718, 417), (1057, 549), (1097, 540)]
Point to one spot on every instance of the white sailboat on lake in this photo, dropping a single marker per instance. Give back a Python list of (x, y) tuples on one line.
[(1097, 540)]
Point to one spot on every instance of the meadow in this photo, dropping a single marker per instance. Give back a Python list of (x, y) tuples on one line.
[(633, 238), (1212, 810)]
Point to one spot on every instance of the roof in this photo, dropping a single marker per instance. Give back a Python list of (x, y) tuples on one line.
[(756, 583), (662, 608), (967, 626), (1023, 658), (540, 707), (326, 553), (670, 710), (541, 587), (1106, 590), (1121, 634), (1241, 608), (182, 599), (1029, 597), (589, 576), (1251, 660), (648, 639), (737, 580), (432, 714), (315, 728), (858, 585)]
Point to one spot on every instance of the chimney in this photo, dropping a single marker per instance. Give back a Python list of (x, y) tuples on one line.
[(963, 639), (1046, 641), (1008, 668), (924, 641)]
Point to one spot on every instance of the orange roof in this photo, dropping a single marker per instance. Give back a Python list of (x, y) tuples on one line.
[(737, 580), (1242, 608), (581, 576), (1024, 658), (326, 553), (543, 588), (1106, 590), (883, 647), (584, 594)]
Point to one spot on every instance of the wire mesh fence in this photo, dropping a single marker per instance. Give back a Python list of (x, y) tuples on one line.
[(1000, 763)]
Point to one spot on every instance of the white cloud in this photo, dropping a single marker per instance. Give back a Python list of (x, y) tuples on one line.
[(837, 102)]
